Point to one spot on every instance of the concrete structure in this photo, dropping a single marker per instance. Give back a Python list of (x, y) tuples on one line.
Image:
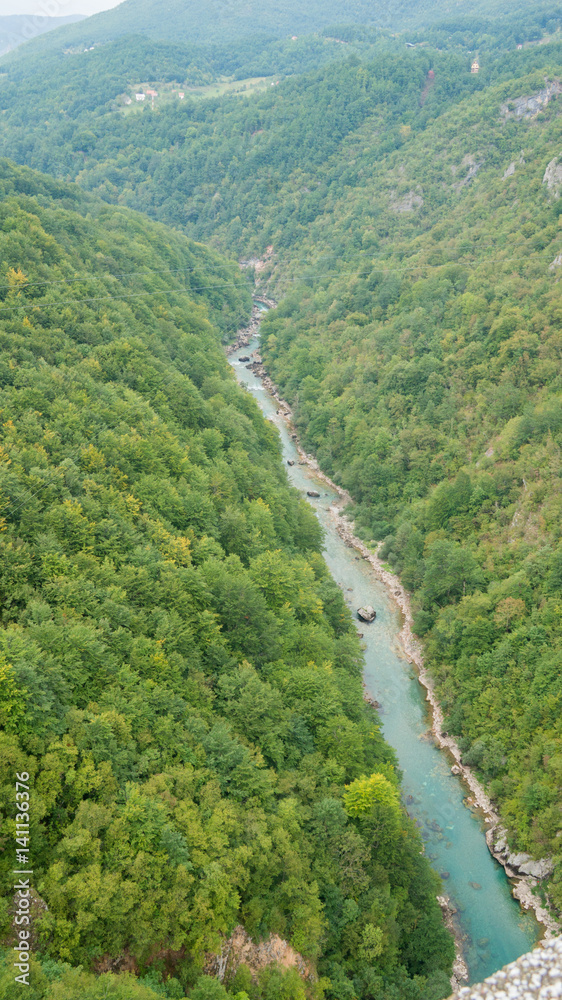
[(536, 976)]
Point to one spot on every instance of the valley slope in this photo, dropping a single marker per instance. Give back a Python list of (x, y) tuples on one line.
[(180, 676), (406, 214)]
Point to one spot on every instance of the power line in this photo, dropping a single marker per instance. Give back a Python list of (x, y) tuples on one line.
[(123, 274), (154, 294), (226, 266), (31, 304), (30, 496), (230, 329)]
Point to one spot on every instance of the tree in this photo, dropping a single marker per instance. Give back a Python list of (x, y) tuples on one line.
[(451, 571), (508, 611), (372, 942), (363, 794), (208, 988)]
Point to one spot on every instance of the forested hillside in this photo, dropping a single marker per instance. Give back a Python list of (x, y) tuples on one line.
[(79, 88), (211, 21), (416, 244), (192, 713), (247, 173), (428, 384), (241, 174), (180, 675)]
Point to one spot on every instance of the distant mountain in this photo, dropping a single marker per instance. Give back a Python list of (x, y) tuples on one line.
[(16, 29), (213, 21)]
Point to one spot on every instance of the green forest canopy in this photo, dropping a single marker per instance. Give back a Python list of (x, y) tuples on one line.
[(435, 345), (416, 251), (213, 21), (180, 675), (426, 378), (205, 22)]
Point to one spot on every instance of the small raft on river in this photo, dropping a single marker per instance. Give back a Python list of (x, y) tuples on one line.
[(366, 614)]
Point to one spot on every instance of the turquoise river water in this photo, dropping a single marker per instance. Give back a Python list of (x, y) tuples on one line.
[(494, 928)]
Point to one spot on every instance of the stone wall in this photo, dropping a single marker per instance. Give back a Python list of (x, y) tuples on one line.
[(536, 976)]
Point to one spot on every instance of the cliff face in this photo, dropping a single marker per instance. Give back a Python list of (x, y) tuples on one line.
[(239, 949), (536, 976)]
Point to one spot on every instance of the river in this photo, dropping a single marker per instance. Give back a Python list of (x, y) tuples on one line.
[(494, 928)]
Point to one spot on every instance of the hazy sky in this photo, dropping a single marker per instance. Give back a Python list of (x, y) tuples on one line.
[(56, 8)]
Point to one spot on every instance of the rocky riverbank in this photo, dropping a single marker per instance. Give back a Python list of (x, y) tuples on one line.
[(246, 333), (460, 968), (523, 882), (521, 869)]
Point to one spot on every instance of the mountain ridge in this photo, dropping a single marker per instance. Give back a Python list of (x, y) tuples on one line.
[(213, 22)]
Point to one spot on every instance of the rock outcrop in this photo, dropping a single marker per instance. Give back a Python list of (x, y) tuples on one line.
[(239, 949), (529, 107), (407, 203), (472, 166), (519, 864), (553, 176)]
